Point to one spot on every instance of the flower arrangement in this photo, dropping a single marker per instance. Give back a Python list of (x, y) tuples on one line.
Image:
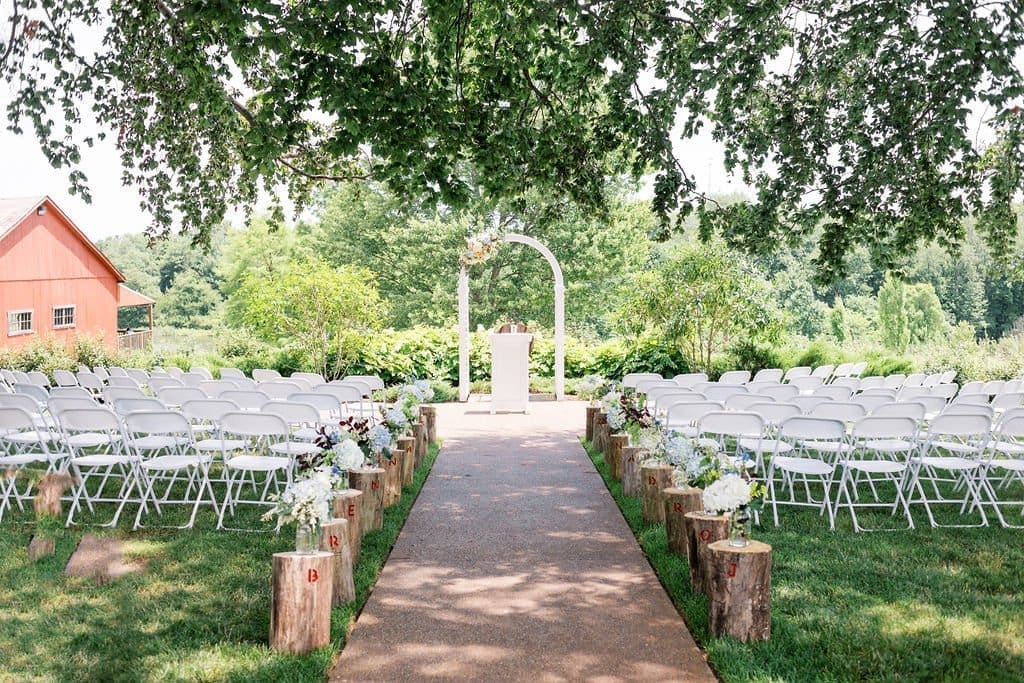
[(480, 248), (591, 387), (696, 464), (732, 492), (411, 396), (373, 441), (306, 502)]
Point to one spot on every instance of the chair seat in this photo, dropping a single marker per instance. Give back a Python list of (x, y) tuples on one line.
[(175, 462), (876, 466), (890, 445), (765, 445), (218, 445), (103, 460), (34, 436), (1015, 465), (803, 465), (91, 440), (294, 448), (956, 446), (948, 463), (22, 459), (826, 446), (305, 434), (260, 463), (1009, 447)]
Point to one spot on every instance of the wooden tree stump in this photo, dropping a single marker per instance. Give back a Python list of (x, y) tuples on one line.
[(348, 506), (407, 444), (740, 591), (592, 412), (429, 415), (419, 433), (334, 540), (701, 531), (618, 442), (678, 502), (654, 478), (631, 471), (600, 424), (370, 481), (300, 602), (393, 477)]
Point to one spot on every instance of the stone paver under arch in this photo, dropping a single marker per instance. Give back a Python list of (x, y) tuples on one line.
[(515, 564)]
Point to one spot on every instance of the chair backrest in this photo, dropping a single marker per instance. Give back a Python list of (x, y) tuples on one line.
[(813, 428), (871, 401), (873, 427), (123, 406), (116, 371), (836, 393), (973, 398), (823, 371), (200, 370), (21, 376), (629, 380), (254, 424), (843, 370), (37, 392), (768, 375), (244, 383), (960, 427), (947, 391), (808, 403), (57, 404), (158, 383), (15, 419), (914, 380), (807, 383), (688, 379), (345, 393), (293, 413), (682, 414), (316, 379), (139, 375), (280, 389), (659, 397), (1000, 402), (969, 409), (851, 383), (913, 393), (71, 392), (933, 405), (774, 413), (993, 387), (175, 372), (375, 383), (90, 419), (879, 391), (972, 387), (782, 392), (7, 375), (911, 409), (38, 378), (101, 372), (325, 403), (175, 396), (894, 381), (642, 387), (797, 371), (208, 409), (932, 379), (756, 387), (215, 387), (246, 400), (670, 400), (265, 375), (65, 378), (158, 422), (1011, 428), (193, 379), (742, 401), (948, 377), (731, 423), (845, 412), (1012, 386), (722, 392), (871, 382), (735, 377), (22, 402), (122, 381), (231, 373)]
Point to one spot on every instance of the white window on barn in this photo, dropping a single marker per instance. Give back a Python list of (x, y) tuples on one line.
[(63, 316), (19, 322)]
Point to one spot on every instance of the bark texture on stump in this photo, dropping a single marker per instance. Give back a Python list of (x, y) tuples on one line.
[(631, 457), (419, 432), (654, 479), (677, 503), (407, 444), (592, 412), (348, 506), (371, 482), (393, 477), (618, 442), (600, 427), (740, 591), (429, 415), (334, 540), (701, 531), (300, 602)]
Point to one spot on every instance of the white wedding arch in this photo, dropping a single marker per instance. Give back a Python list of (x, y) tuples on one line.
[(559, 318)]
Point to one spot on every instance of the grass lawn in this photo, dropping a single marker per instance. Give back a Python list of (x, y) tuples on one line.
[(923, 605), (199, 611)]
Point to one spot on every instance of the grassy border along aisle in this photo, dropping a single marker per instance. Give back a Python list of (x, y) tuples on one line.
[(197, 609), (932, 604)]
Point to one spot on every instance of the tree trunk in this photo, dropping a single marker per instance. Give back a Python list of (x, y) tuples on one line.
[(600, 425), (393, 477), (429, 415), (334, 540), (631, 471), (419, 432), (348, 506), (618, 442), (371, 482), (655, 479), (300, 602), (702, 530), (408, 445), (592, 412), (740, 591), (677, 503)]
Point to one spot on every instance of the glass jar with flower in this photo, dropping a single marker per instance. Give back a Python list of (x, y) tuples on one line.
[(738, 497), (307, 502)]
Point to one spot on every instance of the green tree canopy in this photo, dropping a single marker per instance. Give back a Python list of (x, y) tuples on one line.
[(702, 298), (908, 314), (850, 118)]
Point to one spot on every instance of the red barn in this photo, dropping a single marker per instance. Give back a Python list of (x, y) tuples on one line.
[(54, 282)]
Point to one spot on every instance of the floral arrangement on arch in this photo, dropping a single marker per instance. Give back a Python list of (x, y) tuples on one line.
[(480, 248)]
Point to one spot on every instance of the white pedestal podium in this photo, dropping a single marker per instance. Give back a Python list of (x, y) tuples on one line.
[(510, 372)]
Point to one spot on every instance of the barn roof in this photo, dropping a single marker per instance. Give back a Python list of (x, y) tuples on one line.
[(14, 211), (126, 296)]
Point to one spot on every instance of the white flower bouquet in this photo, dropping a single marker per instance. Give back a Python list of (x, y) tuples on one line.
[(590, 387), (732, 492), (305, 502)]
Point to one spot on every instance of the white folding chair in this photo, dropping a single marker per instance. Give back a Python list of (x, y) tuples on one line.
[(743, 401), (745, 430), (807, 384), (806, 437), (952, 454), (139, 375), (915, 379), (327, 404), (112, 394), (735, 377), (256, 431), (303, 420), (261, 375), (894, 382), (175, 396), (21, 445), (231, 373), (175, 372), (872, 382), (213, 388), (881, 448), (192, 379), (72, 392), (95, 444), (281, 389), (781, 393), (687, 380), (824, 372), (911, 409), (1004, 470), (851, 383), (65, 378), (101, 372), (314, 379), (808, 403), (350, 396), (768, 375), (629, 380), (845, 412), (247, 400), (682, 417), (157, 384), (39, 379), (721, 392), (122, 381), (123, 406), (834, 392), (38, 393), (200, 370), (947, 377), (797, 371)]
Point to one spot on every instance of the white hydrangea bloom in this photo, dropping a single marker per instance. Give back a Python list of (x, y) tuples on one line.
[(347, 455), (727, 494)]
